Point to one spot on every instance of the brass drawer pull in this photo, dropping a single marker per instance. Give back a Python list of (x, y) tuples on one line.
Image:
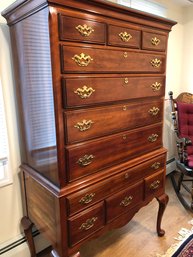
[(84, 125), (126, 201), (125, 37), (125, 54), (126, 81), (87, 198), (84, 92), (153, 138), (155, 41), (156, 86), (155, 184), (154, 111), (85, 30), (82, 60), (85, 160), (88, 224), (156, 165), (156, 63)]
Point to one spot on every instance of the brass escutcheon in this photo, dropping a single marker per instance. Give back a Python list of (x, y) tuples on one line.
[(84, 92), (88, 224), (155, 41), (124, 137), (154, 111), (156, 165), (85, 160), (85, 30), (84, 125), (126, 175), (152, 138), (125, 37), (126, 80), (124, 108), (125, 54), (156, 63), (155, 184), (87, 198), (82, 60), (126, 201), (156, 86)]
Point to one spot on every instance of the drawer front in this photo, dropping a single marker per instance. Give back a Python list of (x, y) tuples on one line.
[(90, 157), (154, 185), (83, 225), (85, 59), (152, 41), (75, 29), (88, 91), (122, 36), (124, 201), (86, 124), (92, 194)]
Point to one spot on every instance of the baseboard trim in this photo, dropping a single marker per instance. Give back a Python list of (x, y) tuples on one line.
[(170, 165)]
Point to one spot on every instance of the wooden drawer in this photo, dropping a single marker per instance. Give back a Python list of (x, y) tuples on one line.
[(87, 59), (75, 29), (122, 36), (78, 201), (153, 41), (86, 223), (86, 124), (86, 158), (154, 185), (88, 91), (124, 201)]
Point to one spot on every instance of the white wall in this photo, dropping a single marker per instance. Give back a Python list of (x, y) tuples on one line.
[(179, 66)]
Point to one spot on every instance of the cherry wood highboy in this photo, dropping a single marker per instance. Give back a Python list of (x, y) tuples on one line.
[(90, 83)]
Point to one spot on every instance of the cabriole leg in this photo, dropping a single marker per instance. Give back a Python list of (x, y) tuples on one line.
[(163, 200), (27, 227)]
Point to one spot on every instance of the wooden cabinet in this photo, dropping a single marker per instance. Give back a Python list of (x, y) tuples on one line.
[(90, 79)]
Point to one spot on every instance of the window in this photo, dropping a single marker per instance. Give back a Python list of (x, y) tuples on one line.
[(146, 6), (5, 176)]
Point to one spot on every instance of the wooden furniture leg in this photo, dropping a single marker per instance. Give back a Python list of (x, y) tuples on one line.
[(27, 227), (163, 200), (54, 254)]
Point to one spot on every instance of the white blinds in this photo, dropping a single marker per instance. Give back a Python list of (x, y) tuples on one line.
[(146, 6), (3, 139)]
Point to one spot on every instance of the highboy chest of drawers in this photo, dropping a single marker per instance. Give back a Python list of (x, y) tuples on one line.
[(90, 84)]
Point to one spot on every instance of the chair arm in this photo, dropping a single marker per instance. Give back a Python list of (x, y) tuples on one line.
[(184, 141)]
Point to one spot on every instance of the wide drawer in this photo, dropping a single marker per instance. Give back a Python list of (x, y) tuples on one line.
[(86, 124), (86, 223), (154, 184), (153, 41), (88, 91), (124, 200), (82, 199), (83, 30), (86, 158), (122, 36), (87, 59)]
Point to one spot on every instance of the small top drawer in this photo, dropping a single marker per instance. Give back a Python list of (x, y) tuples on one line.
[(75, 29), (124, 36), (152, 41)]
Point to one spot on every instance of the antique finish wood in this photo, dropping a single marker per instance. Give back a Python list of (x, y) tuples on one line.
[(90, 80)]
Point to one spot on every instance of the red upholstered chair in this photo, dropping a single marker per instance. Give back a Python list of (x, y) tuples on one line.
[(182, 116)]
